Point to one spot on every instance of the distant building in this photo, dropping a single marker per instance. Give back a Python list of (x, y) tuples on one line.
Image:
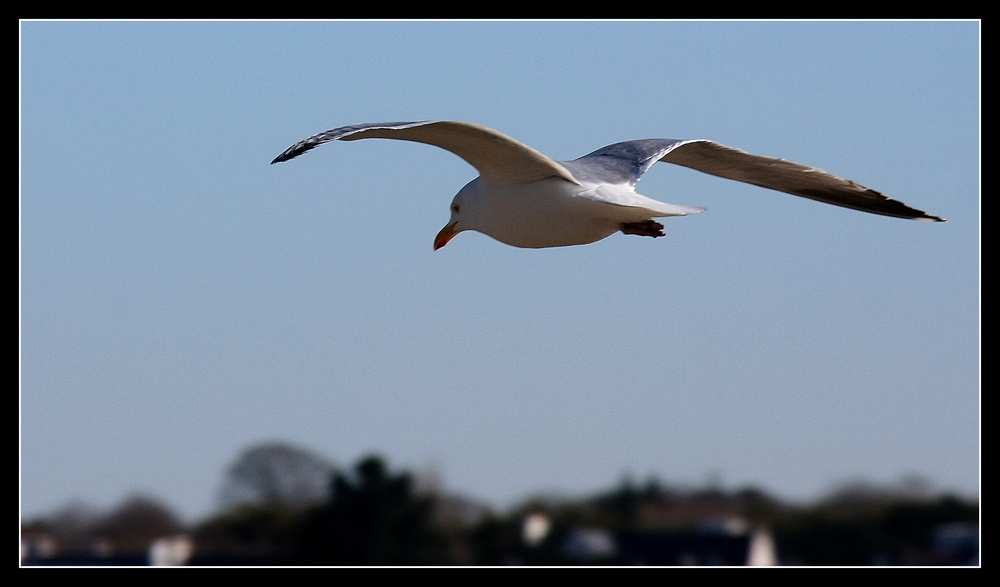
[(43, 550), (37, 545), (726, 543), (589, 544), (171, 551)]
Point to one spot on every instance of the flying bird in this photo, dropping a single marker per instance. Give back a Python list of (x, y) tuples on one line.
[(525, 199)]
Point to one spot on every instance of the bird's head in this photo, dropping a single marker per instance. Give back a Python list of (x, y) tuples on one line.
[(464, 211)]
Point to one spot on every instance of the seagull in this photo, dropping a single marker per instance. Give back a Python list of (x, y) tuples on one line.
[(525, 199)]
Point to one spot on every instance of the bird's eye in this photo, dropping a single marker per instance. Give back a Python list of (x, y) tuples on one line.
[(454, 208)]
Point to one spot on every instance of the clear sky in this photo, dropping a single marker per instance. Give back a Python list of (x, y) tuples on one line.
[(182, 299)]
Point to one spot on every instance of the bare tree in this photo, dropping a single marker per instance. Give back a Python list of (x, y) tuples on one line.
[(135, 523), (276, 473)]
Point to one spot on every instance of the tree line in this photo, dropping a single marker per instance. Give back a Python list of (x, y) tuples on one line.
[(284, 505)]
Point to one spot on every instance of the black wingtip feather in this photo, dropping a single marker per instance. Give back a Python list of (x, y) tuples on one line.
[(296, 150)]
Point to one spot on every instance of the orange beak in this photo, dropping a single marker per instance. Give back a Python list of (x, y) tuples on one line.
[(447, 233)]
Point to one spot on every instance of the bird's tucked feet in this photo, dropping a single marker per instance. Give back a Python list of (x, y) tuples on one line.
[(645, 228)]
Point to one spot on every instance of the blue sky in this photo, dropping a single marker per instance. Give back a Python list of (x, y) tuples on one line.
[(182, 299)]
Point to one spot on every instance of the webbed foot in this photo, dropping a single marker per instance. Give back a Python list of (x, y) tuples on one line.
[(645, 228)]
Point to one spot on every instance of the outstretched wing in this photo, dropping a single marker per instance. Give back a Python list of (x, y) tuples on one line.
[(626, 162), (498, 157)]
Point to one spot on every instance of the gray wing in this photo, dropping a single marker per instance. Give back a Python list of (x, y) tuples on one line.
[(626, 162), (497, 157), (620, 163)]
